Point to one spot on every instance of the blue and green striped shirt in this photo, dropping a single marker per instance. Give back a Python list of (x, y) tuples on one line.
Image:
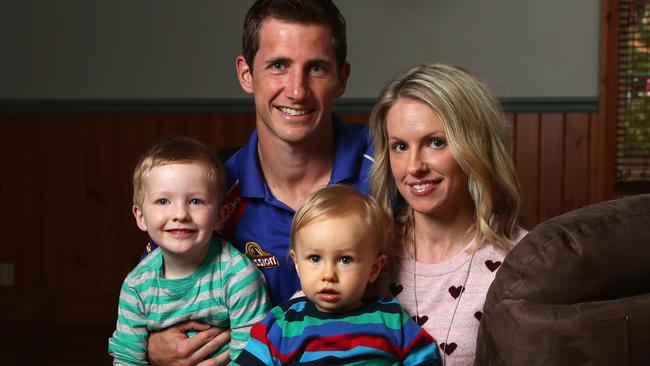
[(378, 333)]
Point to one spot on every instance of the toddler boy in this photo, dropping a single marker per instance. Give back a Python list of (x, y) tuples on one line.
[(194, 274)]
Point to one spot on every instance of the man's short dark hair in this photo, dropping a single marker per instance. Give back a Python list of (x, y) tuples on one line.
[(297, 11)]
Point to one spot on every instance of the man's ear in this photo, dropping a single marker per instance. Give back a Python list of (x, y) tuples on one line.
[(244, 74), (344, 74), (139, 217), (293, 258), (376, 267)]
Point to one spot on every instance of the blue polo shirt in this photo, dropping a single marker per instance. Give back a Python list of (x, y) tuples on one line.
[(259, 225)]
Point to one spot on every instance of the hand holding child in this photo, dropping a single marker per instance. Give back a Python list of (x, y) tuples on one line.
[(188, 351)]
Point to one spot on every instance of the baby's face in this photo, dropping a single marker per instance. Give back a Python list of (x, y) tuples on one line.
[(179, 209), (336, 258)]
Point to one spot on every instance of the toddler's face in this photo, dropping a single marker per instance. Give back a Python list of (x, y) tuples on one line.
[(336, 258), (180, 209)]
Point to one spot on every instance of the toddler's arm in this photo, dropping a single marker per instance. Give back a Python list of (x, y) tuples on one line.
[(128, 346), (245, 290)]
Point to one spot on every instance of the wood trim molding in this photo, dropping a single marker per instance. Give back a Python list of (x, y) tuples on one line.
[(245, 106)]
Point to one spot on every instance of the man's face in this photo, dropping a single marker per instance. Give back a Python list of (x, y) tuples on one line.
[(295, 80)]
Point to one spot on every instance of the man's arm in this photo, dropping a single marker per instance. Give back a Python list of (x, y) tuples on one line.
[(172, 347)]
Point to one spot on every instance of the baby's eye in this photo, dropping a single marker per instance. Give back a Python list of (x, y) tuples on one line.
[(314, 258), (346, 259), (162, 201), (196, 201)]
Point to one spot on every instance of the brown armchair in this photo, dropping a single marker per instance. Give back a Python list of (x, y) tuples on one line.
[(574, 291)]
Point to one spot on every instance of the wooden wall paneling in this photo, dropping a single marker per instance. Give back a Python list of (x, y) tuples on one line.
[(70, 216), (33, 206), (602, 156), (70, 344), (54, 207), (171, 125), (576, 161), (66, 202), (603, 134), (31, 234), (101, 149), (510, 120), (10, 217), (551, 168), (527, 164), (233, 131), (202, 129), (110, 153)]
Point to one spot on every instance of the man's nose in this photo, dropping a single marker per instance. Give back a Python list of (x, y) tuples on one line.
[(297, 87)]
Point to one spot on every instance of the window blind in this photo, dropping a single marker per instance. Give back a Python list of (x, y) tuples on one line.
[(633, 92)]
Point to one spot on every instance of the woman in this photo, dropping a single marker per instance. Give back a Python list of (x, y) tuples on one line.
[(442, 161)]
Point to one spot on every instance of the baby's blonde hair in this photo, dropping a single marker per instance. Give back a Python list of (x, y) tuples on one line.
[(336, 201)]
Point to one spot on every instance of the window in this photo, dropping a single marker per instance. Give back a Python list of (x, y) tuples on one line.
[(633, 95)]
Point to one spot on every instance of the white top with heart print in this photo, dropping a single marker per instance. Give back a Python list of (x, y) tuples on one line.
[(438, 288)]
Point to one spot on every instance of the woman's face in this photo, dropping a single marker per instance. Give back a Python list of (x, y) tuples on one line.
[(425, 171)]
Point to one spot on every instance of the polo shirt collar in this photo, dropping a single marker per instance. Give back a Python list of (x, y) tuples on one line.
[(347, 152)]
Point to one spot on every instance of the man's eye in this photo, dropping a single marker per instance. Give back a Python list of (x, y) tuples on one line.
[(162, 201), (316, 68), (277, 66), (314, 258), (346, 259), (196, 201)]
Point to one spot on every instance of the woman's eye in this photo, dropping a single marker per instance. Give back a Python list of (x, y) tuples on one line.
[(346, 259), (399, 147), (438, 143), (314, 258)]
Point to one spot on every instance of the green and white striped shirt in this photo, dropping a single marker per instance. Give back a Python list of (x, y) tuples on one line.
[(227, 290)]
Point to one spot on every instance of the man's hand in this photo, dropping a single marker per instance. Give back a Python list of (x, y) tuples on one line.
[(172, 347)]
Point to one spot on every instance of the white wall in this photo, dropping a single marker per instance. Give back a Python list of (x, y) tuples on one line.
[(157, 49)]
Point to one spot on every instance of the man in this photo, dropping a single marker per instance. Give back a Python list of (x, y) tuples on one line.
[(294, 64)]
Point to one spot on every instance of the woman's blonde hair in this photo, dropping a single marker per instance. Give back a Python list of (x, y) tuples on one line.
[(479, 137), (336, 201)]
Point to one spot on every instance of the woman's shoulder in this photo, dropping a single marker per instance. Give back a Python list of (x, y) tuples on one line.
[(490, 252), (520, 232)]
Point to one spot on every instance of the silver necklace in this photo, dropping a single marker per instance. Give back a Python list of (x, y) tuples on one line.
[(415, 292)]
